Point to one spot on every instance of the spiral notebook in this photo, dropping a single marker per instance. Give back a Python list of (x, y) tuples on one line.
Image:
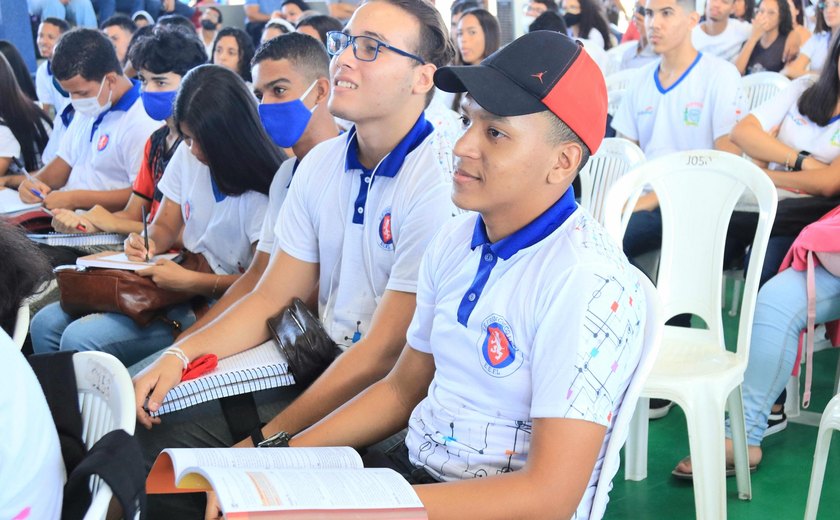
[(259, 368), (78, 239)]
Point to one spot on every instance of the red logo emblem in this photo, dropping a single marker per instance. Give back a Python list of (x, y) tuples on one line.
[(539, 75), (385, 230), (497, 347), (102, 143)]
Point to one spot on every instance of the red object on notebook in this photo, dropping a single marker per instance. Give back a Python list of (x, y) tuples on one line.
[(200, 366)]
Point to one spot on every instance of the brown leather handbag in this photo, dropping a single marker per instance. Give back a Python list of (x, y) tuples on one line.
[(90, 290)]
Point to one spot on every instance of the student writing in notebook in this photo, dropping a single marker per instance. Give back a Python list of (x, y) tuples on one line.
[(162, 59), (102, 148), (360, 211), (215, 194)]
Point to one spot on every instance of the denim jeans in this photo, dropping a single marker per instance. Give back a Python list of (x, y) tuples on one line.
[(53, 329), (780, 314), (79, 12)]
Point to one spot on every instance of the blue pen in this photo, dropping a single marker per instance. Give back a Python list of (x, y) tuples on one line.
[(28, 177)]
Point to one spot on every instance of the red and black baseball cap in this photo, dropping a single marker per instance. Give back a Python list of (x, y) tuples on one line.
[(542, 70)]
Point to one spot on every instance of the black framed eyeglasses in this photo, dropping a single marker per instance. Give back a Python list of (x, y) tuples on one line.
[(365, 48)]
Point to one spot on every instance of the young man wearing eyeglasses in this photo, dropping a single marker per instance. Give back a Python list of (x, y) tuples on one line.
[(357, 218)]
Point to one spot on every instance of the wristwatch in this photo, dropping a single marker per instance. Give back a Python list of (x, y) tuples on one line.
[(278, 440), (800, 158)]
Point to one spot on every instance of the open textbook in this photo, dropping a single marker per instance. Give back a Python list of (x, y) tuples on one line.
[(111, 260), (287, 483)]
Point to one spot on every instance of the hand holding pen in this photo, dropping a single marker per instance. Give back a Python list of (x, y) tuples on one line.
[(33, 187)]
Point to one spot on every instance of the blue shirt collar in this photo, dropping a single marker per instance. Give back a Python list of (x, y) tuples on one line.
[(532, 233), (392, 163), (217, 193), (124, 103), (67, 115)]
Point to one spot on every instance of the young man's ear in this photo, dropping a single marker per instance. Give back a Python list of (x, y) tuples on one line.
[(566, 164), (424, 78), (322, 89)]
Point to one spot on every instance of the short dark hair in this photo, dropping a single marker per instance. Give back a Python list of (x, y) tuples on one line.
[(300, 3), (462, 5), (561, 133), (434, 45), (321, 23), (168, 49), (549, 21), (749, 11), (817, 103), (176, 20), (84, 52), (218, 11), (246, 49), (490, 27), (222, 114), (551, 5), (119, 20), (62, 25), (25, 270), (22, 76), (305, 53)]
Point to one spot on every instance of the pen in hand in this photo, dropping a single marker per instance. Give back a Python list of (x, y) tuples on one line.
[(145, 233), (29, 177)]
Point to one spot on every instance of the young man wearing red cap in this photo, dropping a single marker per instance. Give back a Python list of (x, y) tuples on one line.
[(529, 319)]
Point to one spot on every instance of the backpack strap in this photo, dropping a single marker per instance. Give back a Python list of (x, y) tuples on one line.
[(118, 460), (57, 376)]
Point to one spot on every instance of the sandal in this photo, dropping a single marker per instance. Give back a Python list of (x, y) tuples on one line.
[(730, 470)]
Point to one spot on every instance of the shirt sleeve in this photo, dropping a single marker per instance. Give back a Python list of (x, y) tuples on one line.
[(276, 197), (420, 330), (68, 149), (588, 344), (595, 37), (9, 146), (134, 142), (295, 227), (254, 213), (729, 101), (43, 85), (772, 113), (144, 184), (810, 46), (171, 182)]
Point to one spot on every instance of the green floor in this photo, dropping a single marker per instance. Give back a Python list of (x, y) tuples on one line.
[(780, 486)]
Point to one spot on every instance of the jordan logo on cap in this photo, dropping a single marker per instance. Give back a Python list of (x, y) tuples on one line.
[(539, 75)]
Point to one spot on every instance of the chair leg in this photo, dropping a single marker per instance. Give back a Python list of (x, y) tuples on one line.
[(736, 296), (706, 443), (739, 444), (818, 472), (636, 446)]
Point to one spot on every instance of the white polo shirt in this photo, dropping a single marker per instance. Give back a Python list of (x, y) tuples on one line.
[(31, 467), (220, 227), (701, 106), (9, 145), (366, 229), (45, 88), (726, 45), (60, 124), (816, 48), (276, 196), (545, 323), (105, 152)]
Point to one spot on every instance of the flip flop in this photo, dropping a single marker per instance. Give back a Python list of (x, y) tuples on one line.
[(730, 471)]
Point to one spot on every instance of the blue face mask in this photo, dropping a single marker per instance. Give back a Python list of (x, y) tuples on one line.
[(286, 122), (158, 104)]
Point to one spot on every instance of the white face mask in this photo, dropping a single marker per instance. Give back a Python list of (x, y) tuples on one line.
[(90, 106)]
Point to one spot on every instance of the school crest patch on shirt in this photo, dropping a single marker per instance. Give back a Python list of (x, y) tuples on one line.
[(386, 236), (102, 143), (498, 354)]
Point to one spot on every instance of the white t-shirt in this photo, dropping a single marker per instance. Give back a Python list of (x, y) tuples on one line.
[(596, 38), (9, 145), (725, 45), (276, 196), (816, 48), (222, 231), (57, 135), (31, 467), (546, 323), (45, 89), (367, 238), (107, 155), (633, 58), (701, 106)]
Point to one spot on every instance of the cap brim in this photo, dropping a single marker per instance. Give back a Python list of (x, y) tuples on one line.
[(489, 88)]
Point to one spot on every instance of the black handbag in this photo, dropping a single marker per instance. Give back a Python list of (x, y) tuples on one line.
[(304, 342)]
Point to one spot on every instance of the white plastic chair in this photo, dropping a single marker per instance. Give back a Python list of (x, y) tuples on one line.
[(106, 401), (21, 325), (614, 158), (830, 421), (615, 55), (653, 338), (697, 193), (617, 83), (761, 86)]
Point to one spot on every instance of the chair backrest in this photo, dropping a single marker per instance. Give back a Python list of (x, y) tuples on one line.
[(614, 158), (697, 192), (21, 325), (762, 86), (106, 401), (615, 55), (617, 83), (654, 323)]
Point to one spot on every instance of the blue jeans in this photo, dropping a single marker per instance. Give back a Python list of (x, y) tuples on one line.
[(79, 12), (53, 329), (780, 314)]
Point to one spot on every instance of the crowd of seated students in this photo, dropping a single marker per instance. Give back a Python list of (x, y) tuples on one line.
[(369, 223)]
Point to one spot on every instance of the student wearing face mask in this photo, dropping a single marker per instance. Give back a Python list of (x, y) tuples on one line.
[(102, 148), (585, 20), (162, 59)]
